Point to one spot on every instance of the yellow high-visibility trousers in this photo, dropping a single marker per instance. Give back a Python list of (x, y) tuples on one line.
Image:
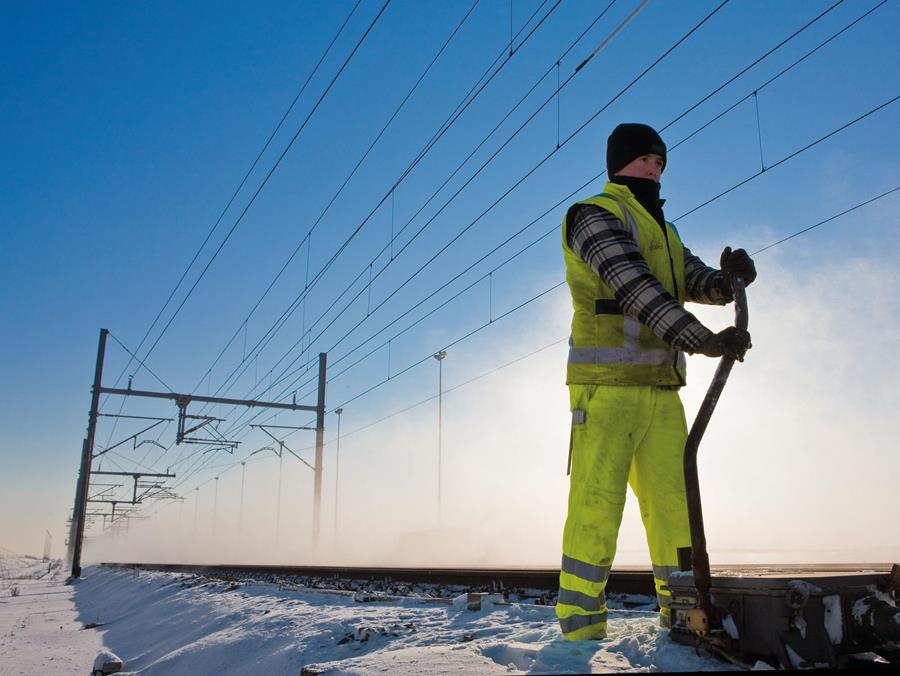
[(621, 435)]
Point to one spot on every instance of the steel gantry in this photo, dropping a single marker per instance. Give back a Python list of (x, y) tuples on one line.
[(79, 513)]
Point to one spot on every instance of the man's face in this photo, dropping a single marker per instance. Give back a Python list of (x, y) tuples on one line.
[(645, 166)]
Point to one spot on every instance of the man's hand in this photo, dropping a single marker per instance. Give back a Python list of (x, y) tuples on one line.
[(731, 342), (737, 263)]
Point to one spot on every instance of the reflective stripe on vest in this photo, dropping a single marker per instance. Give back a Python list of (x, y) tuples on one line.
[(607, 346)]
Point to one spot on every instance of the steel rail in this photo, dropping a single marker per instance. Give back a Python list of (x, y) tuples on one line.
[(624, 579)]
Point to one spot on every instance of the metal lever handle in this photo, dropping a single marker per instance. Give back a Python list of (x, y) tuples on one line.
[(699, 554)]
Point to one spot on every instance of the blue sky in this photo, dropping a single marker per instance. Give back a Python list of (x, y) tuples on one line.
[(128, 127)]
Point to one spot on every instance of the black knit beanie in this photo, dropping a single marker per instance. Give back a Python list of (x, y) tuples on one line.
[(629, 141)]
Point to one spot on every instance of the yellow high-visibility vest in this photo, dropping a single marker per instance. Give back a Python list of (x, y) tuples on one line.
[(606, 346)]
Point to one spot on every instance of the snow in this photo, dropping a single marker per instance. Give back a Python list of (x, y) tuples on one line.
[(834, 622), (105, 659), (796, 661), (41, 631), (730, 627), (176, 624), (762, 666)]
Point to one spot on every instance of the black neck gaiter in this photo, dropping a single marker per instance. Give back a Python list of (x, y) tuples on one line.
[(646, 191)]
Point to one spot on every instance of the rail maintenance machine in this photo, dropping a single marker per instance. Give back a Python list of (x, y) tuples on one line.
[(794, 619)]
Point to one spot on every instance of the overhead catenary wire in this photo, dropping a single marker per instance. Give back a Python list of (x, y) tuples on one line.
[(813, 226), (460, 108), (609, 38), (334, 363), (749, 66), (558, 285), (775, 77), (568, 139), (769, 52), (467, 100), (789, 157), (267, 177), (666, 53), (459, 166), (352, 173), (779, 162), (719, 88), (826, 220), (549, 155), (140, 361), (343, 404), (521, 100), (132, 358), (409, 407), (446, 284), (239, 188)]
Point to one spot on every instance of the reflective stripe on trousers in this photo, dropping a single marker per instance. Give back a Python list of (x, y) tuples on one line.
[(661, 577), (585, 571), (583, 601), (630, 435), (575, 622)]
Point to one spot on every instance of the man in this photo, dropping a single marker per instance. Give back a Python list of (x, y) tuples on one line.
[(629, 276)]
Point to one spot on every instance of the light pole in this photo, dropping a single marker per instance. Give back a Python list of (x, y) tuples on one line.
[(337, 467), (278, 508), (215, 506), (196, 506), (241, 505), (440, 360)]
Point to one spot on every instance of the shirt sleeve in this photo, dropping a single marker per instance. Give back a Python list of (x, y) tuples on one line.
[(610, 248), (704, 284)]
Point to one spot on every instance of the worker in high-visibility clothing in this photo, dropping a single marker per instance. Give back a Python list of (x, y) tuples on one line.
[(629, 276)]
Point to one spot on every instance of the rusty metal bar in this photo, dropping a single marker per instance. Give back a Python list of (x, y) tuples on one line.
[(699, 554)]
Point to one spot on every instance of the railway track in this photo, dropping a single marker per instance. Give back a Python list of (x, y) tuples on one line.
[(539, 583)]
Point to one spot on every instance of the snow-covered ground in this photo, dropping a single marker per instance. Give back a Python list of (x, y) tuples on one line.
[(170, 623), (41, 630)]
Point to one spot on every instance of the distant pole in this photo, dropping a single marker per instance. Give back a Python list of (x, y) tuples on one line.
[(440, 360), (196, 507), (278, 506), (241, 504), (73, 522), (320, 442), (215, 507), (337, 467), (87, 451)]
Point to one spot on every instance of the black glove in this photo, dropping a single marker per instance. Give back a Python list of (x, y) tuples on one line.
[(737, 263), (731, 342)]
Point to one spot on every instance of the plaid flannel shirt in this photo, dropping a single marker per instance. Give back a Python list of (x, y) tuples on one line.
[(607, 245)]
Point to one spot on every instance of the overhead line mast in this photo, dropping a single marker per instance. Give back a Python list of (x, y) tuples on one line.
[(82, 492)]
